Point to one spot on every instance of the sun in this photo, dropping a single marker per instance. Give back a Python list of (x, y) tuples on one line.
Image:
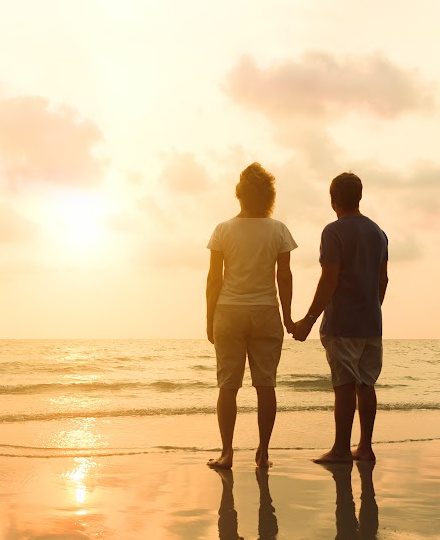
[(79, 219)]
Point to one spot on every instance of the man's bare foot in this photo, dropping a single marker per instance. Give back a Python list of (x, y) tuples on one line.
[(339, 470), (262, 460), (363, 455), (223, 462), (334, 457)]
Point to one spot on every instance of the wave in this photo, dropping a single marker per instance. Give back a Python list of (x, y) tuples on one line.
[(168, 386), (95, 365), (317, 383), (203, 367), (190, 411), (43, 388), (10, 450), (312, 384)]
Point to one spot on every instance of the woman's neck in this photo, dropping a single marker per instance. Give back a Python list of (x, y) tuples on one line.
[(247, 214)]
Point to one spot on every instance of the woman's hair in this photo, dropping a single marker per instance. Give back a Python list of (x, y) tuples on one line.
[(346, 191), (256, 190)]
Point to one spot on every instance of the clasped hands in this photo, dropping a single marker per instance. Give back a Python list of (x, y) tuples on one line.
[(300, 329)]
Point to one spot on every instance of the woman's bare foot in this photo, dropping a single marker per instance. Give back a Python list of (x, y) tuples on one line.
[(262, 460), (226, 475), (223, 462), (363, 455), (334, 457)]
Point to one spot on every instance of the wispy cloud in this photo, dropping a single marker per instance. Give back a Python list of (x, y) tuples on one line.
[(14, 227), (183, 174), (319, 84), (40, 141)]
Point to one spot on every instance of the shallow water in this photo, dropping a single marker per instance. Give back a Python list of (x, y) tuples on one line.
[(60, 396)]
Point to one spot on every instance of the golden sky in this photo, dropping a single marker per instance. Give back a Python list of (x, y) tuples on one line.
[(124, 126)]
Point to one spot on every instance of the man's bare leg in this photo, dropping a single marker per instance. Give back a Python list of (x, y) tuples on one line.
[(367, 405), (345, 406), (267, 410), (226, 415)]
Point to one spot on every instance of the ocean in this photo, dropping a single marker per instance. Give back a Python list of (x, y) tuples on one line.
[(111, 397)]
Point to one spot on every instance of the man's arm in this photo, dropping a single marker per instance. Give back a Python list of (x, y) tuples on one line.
[(383, 280), (213, 286), (324, 291), (284, 280)]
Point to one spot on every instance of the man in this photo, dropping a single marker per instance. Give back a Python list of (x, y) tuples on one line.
[(243, 317), (351, 289)]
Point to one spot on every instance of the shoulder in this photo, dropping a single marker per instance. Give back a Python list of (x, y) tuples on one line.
[(277, 224), (331, 227), (374, 225), (226, 224)]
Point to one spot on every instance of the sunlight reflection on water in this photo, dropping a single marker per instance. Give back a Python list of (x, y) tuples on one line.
[(81, 433)]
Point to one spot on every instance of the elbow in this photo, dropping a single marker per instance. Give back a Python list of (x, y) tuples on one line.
[(284, 276), (383, 283), (214, 282), (330, 284)]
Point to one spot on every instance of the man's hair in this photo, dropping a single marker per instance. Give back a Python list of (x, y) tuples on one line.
[(346, 191), (256, 190)]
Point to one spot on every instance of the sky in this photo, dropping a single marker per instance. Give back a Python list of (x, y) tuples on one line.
[(124, 126)]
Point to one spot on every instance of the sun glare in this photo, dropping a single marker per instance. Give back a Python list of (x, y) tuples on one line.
[(78, 477), (79, 217)]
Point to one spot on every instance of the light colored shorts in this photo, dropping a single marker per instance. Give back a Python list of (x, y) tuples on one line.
[(253, 330), (353, 359)]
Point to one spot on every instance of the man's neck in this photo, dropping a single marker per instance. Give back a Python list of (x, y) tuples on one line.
[(348, 213)]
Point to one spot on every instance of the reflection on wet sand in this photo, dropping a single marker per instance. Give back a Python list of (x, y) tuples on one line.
[(78, 477), (347, 525), (228, 518)]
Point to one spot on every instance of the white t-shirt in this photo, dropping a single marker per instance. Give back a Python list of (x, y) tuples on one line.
[(250, 248)]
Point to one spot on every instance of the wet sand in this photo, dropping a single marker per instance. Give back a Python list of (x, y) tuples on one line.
[(174, 495)]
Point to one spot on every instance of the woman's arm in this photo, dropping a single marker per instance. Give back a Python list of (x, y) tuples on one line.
[(213, 287)]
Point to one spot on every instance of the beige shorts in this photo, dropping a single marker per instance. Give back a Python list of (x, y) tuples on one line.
[(353, 359), (255, 331)]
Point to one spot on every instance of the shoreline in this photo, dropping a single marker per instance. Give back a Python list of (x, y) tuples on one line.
[(304, 430)]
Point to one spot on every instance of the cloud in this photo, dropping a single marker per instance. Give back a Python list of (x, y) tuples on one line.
[(179, 253), (416, 191), (321, 85), (423, 191), (184, 175), (43, 142), (14, 227), (153, 212), (404, 249)]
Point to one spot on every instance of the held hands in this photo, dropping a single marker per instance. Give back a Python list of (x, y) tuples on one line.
[(290, 326), (302, 328), (299, 330)]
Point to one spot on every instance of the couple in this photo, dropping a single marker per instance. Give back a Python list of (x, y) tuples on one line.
[(249, 253)]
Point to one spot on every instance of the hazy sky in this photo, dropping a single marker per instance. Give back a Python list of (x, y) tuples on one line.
[(124, 126)]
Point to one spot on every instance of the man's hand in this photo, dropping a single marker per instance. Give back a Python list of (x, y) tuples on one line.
[(302, 328), (210, 332)]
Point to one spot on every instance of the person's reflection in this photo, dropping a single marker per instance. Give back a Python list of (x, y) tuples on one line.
[(227, 515), (347, 525), (369, 512), (267, 520), (228, 519)]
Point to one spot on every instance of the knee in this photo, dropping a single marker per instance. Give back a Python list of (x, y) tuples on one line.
[(228, 392), (365, 389)]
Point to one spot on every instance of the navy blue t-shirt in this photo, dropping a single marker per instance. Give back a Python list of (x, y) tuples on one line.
[(359, 246)]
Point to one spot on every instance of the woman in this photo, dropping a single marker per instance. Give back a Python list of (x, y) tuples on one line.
[(243, 317)]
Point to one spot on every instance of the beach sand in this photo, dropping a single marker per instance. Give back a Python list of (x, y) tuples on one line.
[(174, 495)]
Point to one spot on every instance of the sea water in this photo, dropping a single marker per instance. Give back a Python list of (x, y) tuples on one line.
[(122, 396)]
